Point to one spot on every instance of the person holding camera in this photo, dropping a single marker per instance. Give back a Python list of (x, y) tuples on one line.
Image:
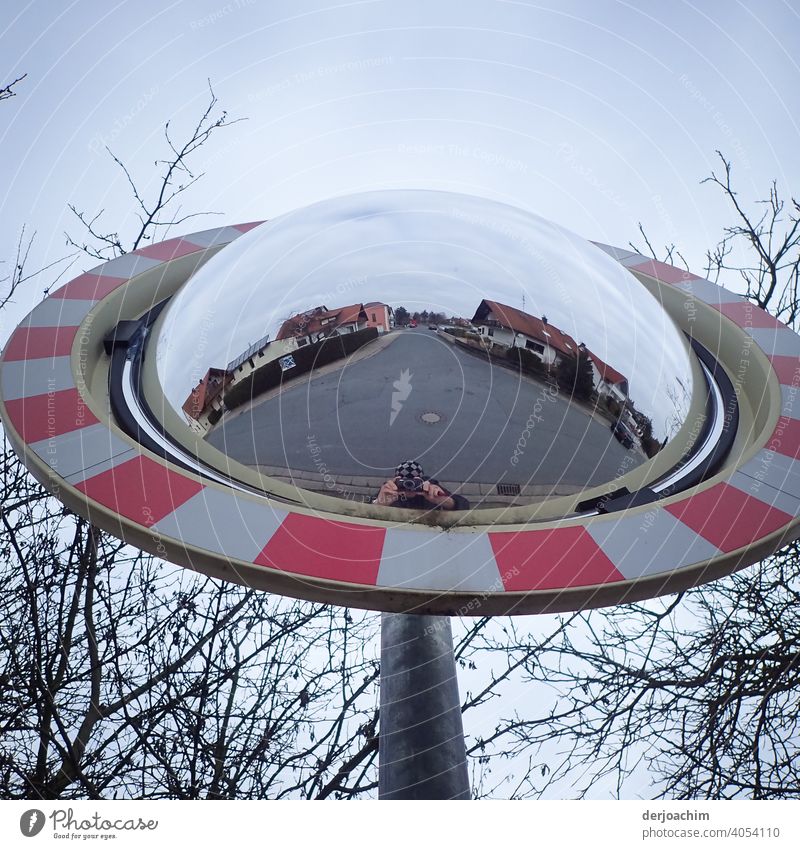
[(412, 489)]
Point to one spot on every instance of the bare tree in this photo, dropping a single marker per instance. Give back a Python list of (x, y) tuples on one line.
[(772, 237), (125, 676), (695, 695), (19, 275), (157, 214)]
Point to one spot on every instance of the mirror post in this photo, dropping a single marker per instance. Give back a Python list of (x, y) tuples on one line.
[(422, 754)]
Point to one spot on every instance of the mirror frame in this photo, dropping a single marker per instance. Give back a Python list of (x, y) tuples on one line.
[(56, 411)]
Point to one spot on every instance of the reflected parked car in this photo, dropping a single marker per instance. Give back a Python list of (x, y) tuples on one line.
[(623, 434)]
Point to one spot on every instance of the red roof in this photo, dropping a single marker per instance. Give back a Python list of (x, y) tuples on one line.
[(311, 322), (607, 373), (206, 391), (527, 324)]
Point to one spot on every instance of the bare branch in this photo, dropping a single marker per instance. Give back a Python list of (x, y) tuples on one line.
[(7, 91), (20, 275), (772, 238), (155, 213)]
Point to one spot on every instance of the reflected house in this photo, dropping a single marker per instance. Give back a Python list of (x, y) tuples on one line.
[(258, 354), (205, 397), (253, 352), (379, 315), (315, 324), (505, 325), (608, 382), (205, 404)]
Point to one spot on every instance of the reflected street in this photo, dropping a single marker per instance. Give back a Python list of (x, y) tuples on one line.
[(417, 394)]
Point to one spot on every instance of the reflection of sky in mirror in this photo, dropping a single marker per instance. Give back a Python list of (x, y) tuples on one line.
[(432, 251)]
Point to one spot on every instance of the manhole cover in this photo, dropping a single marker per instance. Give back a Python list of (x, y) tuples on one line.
[(431, 418)]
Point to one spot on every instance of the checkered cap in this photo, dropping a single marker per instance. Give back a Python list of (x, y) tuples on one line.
[(408, 469)]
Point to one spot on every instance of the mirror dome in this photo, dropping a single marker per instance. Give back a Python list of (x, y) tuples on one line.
[(508, 357)]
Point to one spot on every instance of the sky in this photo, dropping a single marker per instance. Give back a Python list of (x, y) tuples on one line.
[(594, 114)]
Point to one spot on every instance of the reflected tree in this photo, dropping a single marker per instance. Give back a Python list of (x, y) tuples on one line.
[(401, 316), (574, 375)]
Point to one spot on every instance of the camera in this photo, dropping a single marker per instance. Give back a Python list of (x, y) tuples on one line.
[(409, 484)]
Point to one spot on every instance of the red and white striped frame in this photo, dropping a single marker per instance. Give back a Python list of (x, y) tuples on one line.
[(742, 514)]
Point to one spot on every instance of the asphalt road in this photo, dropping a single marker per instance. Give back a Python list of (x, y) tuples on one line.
[(484, 424)]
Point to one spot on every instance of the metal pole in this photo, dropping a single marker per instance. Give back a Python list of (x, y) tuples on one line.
[(421, 749)]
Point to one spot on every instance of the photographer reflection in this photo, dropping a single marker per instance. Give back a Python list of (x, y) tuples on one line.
[(412, 489)]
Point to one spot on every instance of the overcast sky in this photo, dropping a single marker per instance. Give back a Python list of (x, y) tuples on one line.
[(596, 115)]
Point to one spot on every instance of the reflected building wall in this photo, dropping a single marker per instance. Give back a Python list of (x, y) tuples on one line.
[(206, 403), (203, 398), (318, 322), (379, 315), (508, 326)]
